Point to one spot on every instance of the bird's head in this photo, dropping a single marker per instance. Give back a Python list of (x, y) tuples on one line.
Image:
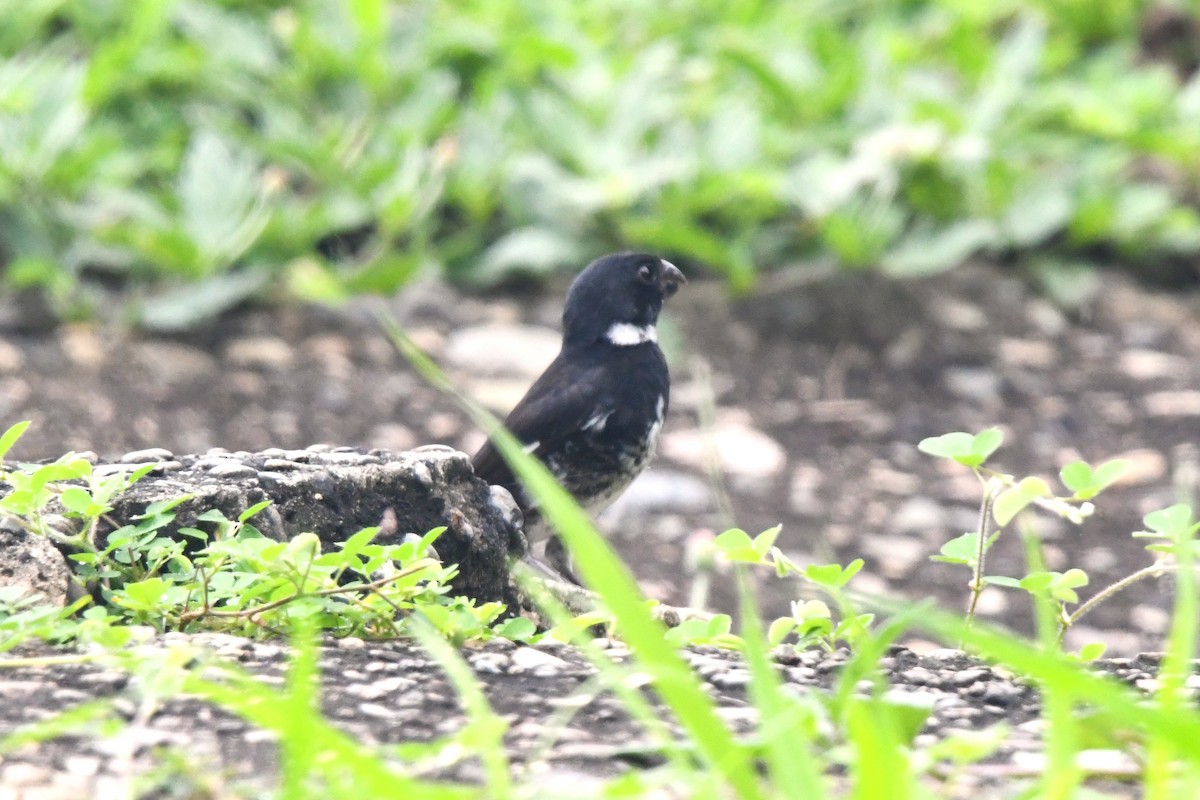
[(619, 297)]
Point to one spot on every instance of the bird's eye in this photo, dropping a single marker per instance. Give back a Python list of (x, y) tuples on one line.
[(645, 274)]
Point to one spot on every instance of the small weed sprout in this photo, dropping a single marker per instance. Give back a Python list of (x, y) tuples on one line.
[(1006, 497)]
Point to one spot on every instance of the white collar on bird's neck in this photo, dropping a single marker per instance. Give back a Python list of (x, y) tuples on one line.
[(626, 334)]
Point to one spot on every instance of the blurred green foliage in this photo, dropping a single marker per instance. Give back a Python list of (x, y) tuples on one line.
[(200, 151)]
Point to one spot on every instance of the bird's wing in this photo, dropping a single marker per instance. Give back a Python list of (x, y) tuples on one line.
[(558, 404)]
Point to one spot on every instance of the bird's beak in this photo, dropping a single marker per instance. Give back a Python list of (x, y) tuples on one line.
[(670, 278)]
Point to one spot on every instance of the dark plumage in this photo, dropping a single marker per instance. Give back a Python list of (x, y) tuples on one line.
[(594, 415)]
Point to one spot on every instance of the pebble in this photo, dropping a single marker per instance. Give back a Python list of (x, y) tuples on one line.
[(902, 695), (1002, 694), (83, 345), (803, 495), (146, 456), (663, 491), (1034, 353), (528, 659), (1183, 403), (958, 314), (894, 556), (504, 502), (1107, 762), (377, 710), (380, 688), (21, 774), (741, 449), (975, 384), (1151, 619), (502, 349), (918, 515), (350, 459), (917, 676), (739, 715), (1146, 466), (282, 465), (1143, 365), (731, 679), (969, 676), (174, 364), (233, 470), (11, 358), (260, 351)]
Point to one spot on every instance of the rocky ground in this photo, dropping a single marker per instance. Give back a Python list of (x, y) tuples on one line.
[(800, 405), (562, 738)]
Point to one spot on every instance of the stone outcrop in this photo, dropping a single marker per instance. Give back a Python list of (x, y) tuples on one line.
[(333, 492), (30, 565)]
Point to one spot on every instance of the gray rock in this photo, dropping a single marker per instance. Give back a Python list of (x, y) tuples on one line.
[(426, 489), (147, 455), (31, 563)]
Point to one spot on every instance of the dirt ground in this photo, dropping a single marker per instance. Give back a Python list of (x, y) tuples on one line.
[(800, 405)]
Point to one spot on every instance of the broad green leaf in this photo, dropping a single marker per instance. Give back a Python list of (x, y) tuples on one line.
[(220, 191), (960, 550), (968, 450), (948, 445), (77, 499), (986, 442), (1037, 582), (928, 252), (182, 307), (832, 575), (779, 630), (254, 509), (736, 545), (10, 436), (1173, 522), (766, 540), (143, 595), (359, 540), (1014, 499), (1077, 476), (1110, 472)]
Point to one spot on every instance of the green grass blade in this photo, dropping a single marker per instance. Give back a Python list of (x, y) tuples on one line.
[(485, 728), (614, 677), (351, 771), (1176, 667), (603, 571), (1072, 679), (1062, 775), (786, 725)]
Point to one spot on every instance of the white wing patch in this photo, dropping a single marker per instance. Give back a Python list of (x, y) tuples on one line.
[(652, 438), (532, 447), (598, 420), (626, 334)]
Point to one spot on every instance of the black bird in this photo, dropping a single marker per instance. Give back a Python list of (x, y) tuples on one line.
[(594, 415)]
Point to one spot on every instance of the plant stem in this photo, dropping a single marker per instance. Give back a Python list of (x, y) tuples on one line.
[(1152, 571), (985, 524), (206, 611)]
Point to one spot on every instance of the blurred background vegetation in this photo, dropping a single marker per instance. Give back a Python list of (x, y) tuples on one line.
[(162, 160)]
